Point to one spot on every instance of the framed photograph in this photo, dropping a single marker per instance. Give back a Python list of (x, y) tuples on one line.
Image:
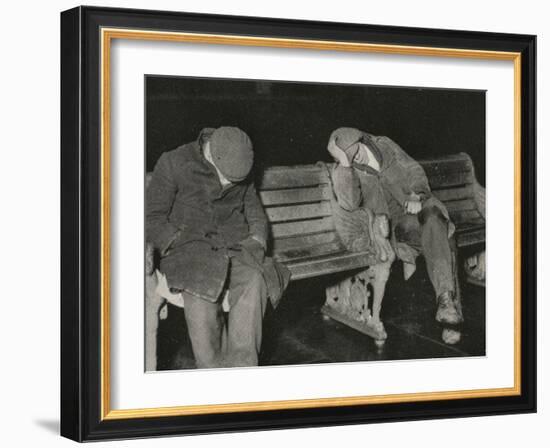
[(276, 224)]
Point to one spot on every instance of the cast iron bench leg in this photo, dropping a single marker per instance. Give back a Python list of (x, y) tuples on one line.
[(348, 301)]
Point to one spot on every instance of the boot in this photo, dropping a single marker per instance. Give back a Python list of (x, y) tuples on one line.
[(447, 310)]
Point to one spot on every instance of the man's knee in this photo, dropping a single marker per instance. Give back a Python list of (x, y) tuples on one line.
[(407, 228), (431, 215), (255, 280), (248, 281)]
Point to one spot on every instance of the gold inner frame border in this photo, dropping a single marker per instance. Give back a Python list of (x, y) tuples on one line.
[(109, 34)]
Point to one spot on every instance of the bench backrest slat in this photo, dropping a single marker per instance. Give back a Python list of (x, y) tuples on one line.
[(279, 177), (297, 204), (454, 194), (460, 205), (295, 195), (448, 180), (452, 181), (465, 217), (449, 171), (295, 228), (298, 212)]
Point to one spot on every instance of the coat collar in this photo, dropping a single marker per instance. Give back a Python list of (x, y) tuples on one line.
[(199, 157), (385, 158)]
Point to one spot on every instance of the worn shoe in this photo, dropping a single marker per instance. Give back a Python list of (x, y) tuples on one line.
[(451, 336), (447, 312)]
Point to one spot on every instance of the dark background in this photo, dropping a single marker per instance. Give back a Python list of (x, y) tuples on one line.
[(290, 123)]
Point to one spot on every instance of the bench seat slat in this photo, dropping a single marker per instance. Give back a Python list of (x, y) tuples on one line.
[(298, 212), (283, 229), (328, 265), (311, 251), (295, 196), (301, 241)]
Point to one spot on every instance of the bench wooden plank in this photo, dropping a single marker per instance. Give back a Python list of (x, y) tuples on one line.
[(457, 162), (295, 196), (298, 212), (471, 226), (443, 158), (301, 241), (452, 194), (448, 180), (435, 172), (345, 261), (292, 177), (460, 205), (470, 237), (298, 228), (310, 251), (461, 217)]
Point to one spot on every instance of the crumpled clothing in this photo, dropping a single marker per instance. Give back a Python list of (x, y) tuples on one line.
[(361, 230), (386, 191), (405, 252)]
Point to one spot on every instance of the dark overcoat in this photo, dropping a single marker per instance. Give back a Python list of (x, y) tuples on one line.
[(197, 225)]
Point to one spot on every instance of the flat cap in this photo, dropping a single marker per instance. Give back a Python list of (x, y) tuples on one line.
[(232, 153), (346, 137)]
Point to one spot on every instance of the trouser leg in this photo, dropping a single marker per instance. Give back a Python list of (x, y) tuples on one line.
[(457, 288), (248, 299), (427, 233), (436, 248), (206, 326)]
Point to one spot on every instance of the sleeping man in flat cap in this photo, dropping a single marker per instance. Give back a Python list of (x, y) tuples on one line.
[(206, 220), (375, 173)]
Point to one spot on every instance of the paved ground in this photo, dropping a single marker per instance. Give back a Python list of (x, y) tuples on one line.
[(297, 333)]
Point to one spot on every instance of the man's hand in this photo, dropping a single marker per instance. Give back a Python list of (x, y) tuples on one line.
[(254, 247), (338, 154), (413, 205)]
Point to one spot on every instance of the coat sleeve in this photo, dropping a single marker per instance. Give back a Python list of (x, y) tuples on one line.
[(413, 177), (347, 187), (255, 215), (160, 199)]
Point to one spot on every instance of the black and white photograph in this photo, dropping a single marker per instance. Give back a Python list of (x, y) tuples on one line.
[(292, 223)]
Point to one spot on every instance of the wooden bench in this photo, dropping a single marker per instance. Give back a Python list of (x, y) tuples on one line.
[(452, 180), (297, 202)]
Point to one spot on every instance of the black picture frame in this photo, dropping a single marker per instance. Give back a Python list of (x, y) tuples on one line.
[(81, 288)]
